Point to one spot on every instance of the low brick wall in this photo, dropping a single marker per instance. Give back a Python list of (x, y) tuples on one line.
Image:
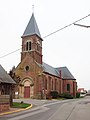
[(4, 106), (4, 103)]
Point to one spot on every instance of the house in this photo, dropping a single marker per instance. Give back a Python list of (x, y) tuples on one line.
[(6, 82), (6, 86), (82, 91), (36, 78), (88, 93)]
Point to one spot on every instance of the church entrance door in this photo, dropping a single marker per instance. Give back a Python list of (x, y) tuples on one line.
[(27, 92)]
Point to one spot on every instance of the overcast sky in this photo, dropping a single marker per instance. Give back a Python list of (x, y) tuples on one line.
[(69, 47)]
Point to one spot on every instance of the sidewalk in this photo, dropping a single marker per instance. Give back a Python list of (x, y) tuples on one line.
[(31, 101), (13, 110)]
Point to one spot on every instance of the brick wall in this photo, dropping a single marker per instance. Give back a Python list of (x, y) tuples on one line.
[(4, 102), (73, 88), (4, 106)]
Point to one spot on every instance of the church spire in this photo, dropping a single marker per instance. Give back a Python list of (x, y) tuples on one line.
[(32, 28), (32, 41)]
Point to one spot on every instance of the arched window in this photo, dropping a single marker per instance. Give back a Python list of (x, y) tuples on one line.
[(52, 84), (46, 84), (55, 84), (28, 45), (68, 87)]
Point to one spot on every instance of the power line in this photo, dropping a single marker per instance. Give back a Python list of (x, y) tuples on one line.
[(9, 53), (50, 34), (66, 26)]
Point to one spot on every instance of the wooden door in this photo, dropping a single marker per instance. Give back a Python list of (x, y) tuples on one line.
[(27, 92)]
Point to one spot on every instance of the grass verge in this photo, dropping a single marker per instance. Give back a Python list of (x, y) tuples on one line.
[(20, 105)]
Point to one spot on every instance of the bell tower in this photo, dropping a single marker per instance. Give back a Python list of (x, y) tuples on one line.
[(32, 41)]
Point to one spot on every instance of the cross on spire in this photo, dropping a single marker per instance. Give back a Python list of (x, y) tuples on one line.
[(33, 9)]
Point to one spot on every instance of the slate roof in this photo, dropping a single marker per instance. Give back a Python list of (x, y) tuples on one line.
[(49, 69), (4, 77), (32, 28), (65, 73)]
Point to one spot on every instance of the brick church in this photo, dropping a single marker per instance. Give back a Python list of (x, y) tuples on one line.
[(35, 79)]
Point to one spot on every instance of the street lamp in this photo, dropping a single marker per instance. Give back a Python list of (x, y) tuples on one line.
[(86, 26)]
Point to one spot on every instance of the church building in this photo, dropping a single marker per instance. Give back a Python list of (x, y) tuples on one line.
[(37, 79)]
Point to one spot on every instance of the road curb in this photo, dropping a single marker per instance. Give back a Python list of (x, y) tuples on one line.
[(14, 111)]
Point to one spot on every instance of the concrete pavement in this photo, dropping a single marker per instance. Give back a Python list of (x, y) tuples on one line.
[(13, 110), (82, 110), (31, 101), (75, 109)]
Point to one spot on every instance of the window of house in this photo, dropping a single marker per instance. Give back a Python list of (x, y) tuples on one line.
[(28, 45), (68, 87)]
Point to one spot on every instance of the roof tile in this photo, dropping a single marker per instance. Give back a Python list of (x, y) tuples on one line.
[(4, 77)]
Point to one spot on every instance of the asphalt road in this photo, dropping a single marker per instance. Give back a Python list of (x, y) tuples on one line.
[(77, 109)]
